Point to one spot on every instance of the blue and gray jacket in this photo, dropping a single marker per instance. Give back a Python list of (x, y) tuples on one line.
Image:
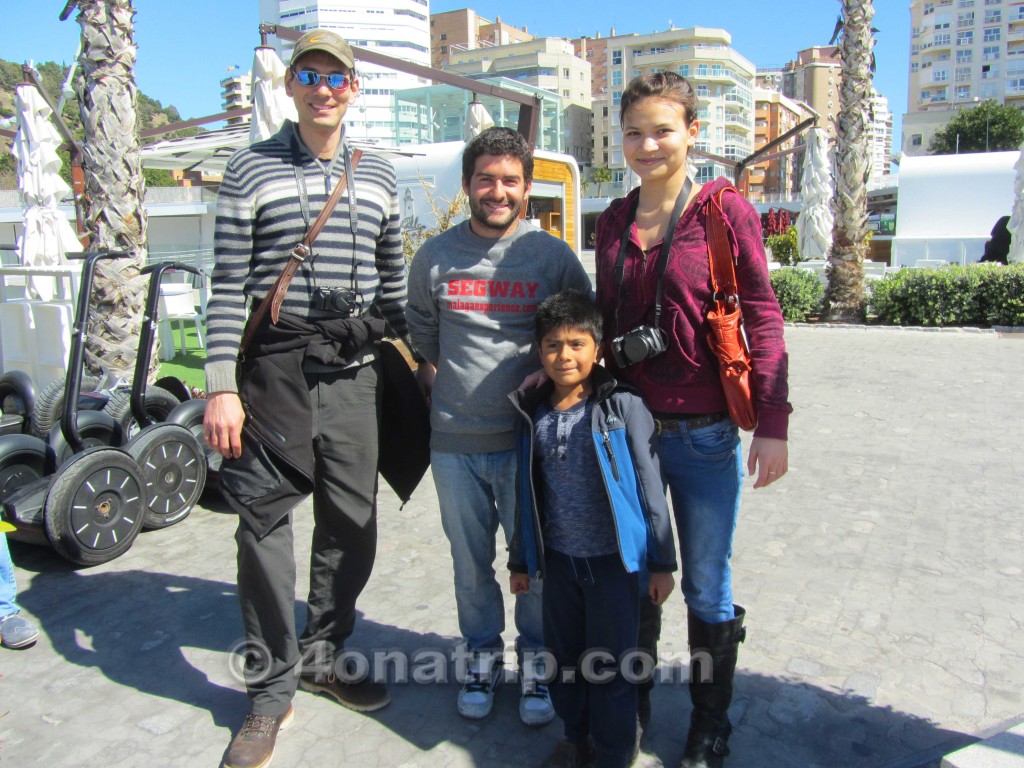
[(624, 438)]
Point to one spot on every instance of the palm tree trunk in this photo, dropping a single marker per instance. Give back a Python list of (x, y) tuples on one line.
[(114, 185), (845, 294)]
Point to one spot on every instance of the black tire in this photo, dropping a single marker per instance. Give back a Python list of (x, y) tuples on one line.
[(17, 399), (190, 415), (23, 458), (159, 404), (175, 386), (173, 467), (49, 403), (94, 509), (95, 428)]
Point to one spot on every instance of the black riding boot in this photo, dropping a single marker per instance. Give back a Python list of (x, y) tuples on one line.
[(714, 645), (647, 642)]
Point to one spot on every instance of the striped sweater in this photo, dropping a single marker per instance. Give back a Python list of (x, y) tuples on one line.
[(259, 221)]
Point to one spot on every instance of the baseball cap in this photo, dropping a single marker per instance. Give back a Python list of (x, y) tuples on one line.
[(325, 41)]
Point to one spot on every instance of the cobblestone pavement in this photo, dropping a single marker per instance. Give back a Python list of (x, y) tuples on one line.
[(882, 579)]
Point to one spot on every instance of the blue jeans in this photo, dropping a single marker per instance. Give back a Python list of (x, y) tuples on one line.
[(593, 604), (476, 492), (704, 471), (8, 589)]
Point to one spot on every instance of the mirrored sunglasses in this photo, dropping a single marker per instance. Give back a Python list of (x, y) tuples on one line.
[(311, 79)]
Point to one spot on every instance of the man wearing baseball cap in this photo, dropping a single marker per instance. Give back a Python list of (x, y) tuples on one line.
[(297, 412)]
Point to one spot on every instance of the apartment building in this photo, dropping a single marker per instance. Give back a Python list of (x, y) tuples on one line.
[(399, 28), (548, 63), (236, 93), (774, 115), (722, 78), (961, 52), (464, 30), (815, 77), (880, 136)]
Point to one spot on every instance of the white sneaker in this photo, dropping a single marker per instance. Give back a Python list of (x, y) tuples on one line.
[(477, 695), (534, 701)]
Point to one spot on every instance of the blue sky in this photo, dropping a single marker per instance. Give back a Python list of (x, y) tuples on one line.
[(186, 46)]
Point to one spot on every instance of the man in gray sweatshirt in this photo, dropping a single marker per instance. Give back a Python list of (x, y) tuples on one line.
[(472, 293)]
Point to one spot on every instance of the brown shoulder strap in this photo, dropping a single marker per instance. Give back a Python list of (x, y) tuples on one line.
[(273, 300), (720, 249)]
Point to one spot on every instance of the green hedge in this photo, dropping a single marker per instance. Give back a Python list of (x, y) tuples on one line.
[(976, 295), (799, 291)]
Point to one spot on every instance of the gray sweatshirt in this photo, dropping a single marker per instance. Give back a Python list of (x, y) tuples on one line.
[(470, 312)]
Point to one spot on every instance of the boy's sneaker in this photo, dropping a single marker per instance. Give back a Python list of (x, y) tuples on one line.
[(253, 745), (477, 695), (17, 632), (534, 701)]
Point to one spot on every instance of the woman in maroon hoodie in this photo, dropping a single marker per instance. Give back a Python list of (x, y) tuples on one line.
[(659, 346)]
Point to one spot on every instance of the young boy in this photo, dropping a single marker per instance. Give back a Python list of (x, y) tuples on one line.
[(591, 515)]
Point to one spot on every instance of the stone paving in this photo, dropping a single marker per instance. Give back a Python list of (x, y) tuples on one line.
[(882, 579)]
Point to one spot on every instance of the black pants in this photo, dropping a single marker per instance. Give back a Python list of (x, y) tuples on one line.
[(345, 418), (591, 608)]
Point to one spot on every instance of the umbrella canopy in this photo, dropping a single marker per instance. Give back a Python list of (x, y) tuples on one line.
[(477, 121), (270, 104), (1016, 225), (47, 235), (814, 227)]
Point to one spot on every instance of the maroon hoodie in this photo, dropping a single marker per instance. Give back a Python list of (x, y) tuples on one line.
[(685, 378)]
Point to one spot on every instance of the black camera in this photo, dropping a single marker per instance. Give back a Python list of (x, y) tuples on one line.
[(342, 301), (637, 345)]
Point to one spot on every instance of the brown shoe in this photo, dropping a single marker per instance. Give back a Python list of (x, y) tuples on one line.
[(569, 754), (253, 745), (365, 695)]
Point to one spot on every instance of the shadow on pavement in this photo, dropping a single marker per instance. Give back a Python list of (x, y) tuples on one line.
[(138, 629)]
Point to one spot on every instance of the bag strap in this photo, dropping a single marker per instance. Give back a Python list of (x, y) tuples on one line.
[(720, 253), (273, 300)]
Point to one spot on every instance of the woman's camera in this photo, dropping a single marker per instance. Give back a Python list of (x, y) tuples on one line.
[(341, 301), (637, 345)]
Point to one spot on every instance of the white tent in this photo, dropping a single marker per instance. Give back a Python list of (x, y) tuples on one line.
[(270, 104), (948, 203), (1016, 225), (47, 235), (814, 227), (478, 120)]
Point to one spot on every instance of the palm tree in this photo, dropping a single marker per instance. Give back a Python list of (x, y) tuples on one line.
[(845, 294), (114, 185)]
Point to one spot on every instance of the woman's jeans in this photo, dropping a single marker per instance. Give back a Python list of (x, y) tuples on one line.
[(476, 493), (704, 471)]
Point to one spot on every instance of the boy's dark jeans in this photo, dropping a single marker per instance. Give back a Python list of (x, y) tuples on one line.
[(591, 616)]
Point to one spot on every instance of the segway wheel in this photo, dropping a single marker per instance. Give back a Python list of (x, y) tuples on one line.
[(48, 405), (95, 509), (23, 458), (190, 415), (159, 404), (17, 398), (173, 469)]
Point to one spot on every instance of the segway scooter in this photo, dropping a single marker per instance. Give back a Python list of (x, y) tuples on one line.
[(87, 504), (171, 459)]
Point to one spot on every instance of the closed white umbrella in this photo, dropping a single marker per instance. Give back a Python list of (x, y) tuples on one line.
[(814, 227), (1016, 225), (478, 120), (270, 104), (47, 235)]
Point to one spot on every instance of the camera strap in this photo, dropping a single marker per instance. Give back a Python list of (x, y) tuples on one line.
[(666, 246), (273, 300)]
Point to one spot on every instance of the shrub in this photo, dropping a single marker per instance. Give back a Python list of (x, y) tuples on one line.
[(978, 295), (799, 291), (784, 247)]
